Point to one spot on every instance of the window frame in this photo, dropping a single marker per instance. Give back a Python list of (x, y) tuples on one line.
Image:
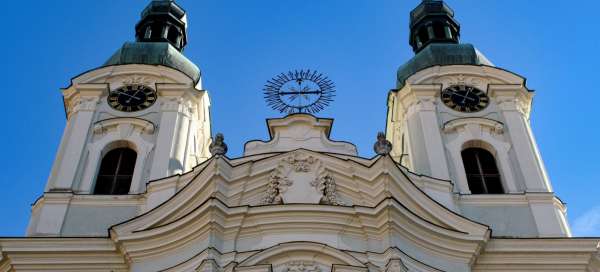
[(485, 175), (116, 176)]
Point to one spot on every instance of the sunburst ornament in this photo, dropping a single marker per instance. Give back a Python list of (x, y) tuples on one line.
[(299, 91)]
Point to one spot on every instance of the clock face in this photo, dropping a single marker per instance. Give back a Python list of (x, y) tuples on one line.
[(299, 91), (465, 98), (132, 98)]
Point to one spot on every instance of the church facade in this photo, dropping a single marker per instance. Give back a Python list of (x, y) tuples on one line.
[(139, 183)]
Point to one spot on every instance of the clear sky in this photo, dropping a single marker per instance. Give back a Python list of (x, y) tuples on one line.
[(359, 44)]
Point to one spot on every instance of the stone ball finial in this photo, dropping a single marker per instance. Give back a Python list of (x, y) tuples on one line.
[(218, 146), (382, 146)]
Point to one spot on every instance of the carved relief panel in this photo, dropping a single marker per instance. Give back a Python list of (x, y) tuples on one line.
[(300, 178)]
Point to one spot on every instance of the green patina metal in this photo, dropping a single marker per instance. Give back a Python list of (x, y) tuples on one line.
[(438, 54), (154, 53)]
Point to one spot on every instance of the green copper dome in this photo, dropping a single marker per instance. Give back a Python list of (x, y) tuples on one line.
[(154, 53), (435, 38), (439, 55), (160, 39)]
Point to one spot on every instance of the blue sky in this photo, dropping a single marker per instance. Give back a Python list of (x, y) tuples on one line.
[(359, 44)]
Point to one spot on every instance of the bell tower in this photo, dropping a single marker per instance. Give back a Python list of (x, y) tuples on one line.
[(142, 116), (455, 116)]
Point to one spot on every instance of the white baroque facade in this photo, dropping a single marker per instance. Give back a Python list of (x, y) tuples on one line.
[(299, 202)]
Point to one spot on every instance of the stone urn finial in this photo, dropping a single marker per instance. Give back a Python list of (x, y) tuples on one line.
[(382, 146), (218, 146)]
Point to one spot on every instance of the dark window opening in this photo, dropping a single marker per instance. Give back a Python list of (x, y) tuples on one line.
[(482, 173), (424, 35), (438, 31), (116, 172), (156, 32), (173, 35)]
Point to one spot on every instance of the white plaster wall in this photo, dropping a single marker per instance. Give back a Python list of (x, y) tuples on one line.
[(436, 141), (170, 137)]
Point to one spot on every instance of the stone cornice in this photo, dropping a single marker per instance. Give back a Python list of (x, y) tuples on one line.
[(244, 183), (62, 254), (229, 222), (144, 125), (547, 254), (512, 98), (493, 125), (89, 200), (510, 199), (84, 98), (500, 254)]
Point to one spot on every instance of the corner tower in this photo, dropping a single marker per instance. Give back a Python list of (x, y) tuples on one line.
[(455, 116), (141, 116)]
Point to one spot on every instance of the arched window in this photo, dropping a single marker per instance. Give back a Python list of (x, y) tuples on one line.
[(116, 171), (482, 173)]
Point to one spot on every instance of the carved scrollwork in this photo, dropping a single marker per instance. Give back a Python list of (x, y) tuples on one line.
[(300, 165), (325, 184), (461, 79), (276, 186), (138, 80), (301, 266)]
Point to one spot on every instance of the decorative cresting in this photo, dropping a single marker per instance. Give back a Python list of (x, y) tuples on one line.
[(325, 184)]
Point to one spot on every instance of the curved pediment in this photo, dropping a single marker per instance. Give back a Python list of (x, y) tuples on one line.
[(475, 75), (342, 201), (299, 131), (123, 74), (300, 176)]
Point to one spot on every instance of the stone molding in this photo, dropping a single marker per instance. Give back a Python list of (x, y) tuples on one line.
[(136, 123), (456, 124), (98, 254), (174, 228), (299, 131), (482, 131)]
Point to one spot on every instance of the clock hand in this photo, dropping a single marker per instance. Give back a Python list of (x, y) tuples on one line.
[(466, 96), (463, 96), (119, 92), (134, 96), (296, 92)]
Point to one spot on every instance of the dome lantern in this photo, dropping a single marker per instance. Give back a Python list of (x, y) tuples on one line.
[(163, 21), (432, 21)]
